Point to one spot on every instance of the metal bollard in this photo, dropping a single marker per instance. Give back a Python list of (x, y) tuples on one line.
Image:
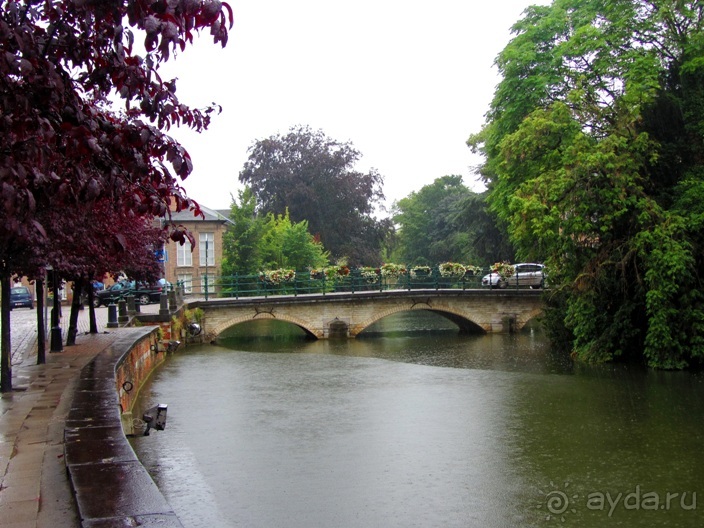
[(172, 301), (56, 344), (122, 317), (163, 304), (131, 310), (112, 316)]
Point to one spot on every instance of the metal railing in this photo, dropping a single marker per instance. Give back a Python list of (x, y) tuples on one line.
[(235, 286)]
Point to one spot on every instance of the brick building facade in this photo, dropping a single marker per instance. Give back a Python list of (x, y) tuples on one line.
[(190, 266)]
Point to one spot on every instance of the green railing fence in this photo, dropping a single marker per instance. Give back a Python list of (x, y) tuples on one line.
[(235, 286)]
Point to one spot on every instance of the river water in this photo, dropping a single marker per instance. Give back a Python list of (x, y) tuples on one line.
[(414, 425)]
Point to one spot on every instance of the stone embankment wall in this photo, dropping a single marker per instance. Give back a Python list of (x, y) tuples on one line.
[(132, 370), (110, 485)]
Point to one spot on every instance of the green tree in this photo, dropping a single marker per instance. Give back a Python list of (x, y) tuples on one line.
[(62, 62), (287, 244), (241, 252), (256, 242), (486, 233), (313, 177), (594, 148), (427, 220)]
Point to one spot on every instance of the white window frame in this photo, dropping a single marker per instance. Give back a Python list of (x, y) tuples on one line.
[(184, 255), (211, 283), (210, 237), (187, 280)]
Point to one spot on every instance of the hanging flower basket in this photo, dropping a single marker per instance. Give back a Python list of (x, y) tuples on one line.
[(369, 275), (503, 269), (451, 270), (277, 276), (334, 272), (471, 271), (392, 271)]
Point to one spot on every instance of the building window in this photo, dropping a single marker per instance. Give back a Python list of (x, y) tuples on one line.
[(209, 239), (184, 256), (211, 283), (186, 279)]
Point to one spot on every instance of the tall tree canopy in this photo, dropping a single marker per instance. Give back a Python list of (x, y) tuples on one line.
[(428, 232), (258, 242), (61, 146), (62, 64), (594, 149), (446, 221), (240, 253), (313, 177)]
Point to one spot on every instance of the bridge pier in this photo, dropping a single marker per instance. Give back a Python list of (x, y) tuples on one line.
[(337, 328)]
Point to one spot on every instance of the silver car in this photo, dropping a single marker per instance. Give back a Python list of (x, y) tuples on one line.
[(524, 274)]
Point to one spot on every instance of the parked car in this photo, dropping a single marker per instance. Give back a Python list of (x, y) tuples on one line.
[(20, 296), (143, 293), (524, 274)]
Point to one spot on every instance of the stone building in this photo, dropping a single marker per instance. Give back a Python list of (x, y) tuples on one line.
[(191, 266)]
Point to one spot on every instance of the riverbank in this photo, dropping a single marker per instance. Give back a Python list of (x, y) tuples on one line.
[(35, 489)]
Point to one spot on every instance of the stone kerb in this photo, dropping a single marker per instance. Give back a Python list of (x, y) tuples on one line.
[(110, 485)]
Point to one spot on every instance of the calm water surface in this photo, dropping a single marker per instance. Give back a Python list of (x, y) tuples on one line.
[(414, 425)]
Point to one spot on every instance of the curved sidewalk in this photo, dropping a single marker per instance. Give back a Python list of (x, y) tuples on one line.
[(34, 487)]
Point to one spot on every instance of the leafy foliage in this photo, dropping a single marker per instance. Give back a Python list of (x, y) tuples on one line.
[(427, 231), (288, 244), (61, 146), (257, 242), (241, 240), (594, 147), (313, 177), (445, 221), (64, 65)]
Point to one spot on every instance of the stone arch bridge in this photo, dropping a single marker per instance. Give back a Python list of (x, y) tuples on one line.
[(348, 314)]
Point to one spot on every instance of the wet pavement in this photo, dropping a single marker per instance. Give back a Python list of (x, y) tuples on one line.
[(34, 486)]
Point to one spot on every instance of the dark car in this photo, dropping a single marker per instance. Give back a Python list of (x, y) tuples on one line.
[(143, 293), (20, 296)]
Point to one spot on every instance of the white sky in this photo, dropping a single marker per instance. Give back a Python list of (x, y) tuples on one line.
[(405, 81)]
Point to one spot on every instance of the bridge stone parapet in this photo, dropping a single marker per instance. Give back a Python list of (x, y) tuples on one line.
[(347, 314)]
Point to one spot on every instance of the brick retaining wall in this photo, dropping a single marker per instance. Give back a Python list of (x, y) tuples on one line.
[(111, 487)]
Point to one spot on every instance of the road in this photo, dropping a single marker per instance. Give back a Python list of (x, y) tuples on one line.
[(23, 324)]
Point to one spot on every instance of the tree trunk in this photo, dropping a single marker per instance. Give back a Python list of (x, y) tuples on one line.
[(75, 308), (5, 343), (56, 345), (91, 308), (41, 333)]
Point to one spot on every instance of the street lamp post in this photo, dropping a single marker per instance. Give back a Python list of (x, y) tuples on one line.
[(206, 268)]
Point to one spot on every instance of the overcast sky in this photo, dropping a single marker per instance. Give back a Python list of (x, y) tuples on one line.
[(406, 82)]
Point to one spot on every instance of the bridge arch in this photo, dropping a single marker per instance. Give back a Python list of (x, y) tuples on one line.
[(220, 328), (529, 316), (465, 324)]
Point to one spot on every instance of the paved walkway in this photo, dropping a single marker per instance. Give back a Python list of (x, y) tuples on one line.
[(34, 487)]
